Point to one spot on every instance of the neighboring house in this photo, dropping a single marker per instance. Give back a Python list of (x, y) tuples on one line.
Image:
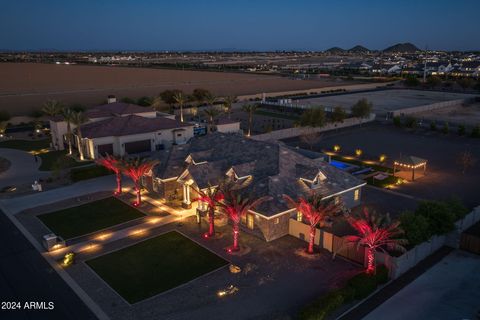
[(132, 134), (119, 128), (269, 169), (471, 68)]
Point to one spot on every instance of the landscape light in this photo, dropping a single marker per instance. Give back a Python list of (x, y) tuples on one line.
[(382, 158), (358, 152), (336, 148)]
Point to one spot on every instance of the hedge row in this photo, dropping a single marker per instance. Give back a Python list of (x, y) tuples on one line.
[(357, 288), (431, 218)]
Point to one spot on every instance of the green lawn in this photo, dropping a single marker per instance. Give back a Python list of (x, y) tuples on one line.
[(26, 145), (73, 222), (382, 183), (58, 159), (155, 265), (84, 173)]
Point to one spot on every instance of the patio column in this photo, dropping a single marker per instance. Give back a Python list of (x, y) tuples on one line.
[(413, 174), (186, 197)]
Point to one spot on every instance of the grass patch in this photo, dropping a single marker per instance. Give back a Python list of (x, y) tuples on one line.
[(58, 160), (361, 164), (26, 145), (383, 183), (277, 115), (77, 221), (84, 173), (154, 266)]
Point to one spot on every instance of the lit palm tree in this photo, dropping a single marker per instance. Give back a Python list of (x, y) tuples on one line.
[(236, 206), (158, 104), (180, 99), (68, 115), (135, 168), (376, 232), (114, 164), (211, 113), (211, 196), (52, 108), (250, 109), (79, 118), (315, 210), (210, 99), (228, 103)]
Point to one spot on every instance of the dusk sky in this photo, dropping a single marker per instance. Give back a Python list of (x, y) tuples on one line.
[(240, 24)]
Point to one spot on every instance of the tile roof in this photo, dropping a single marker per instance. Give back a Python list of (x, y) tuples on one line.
[(128, 125), (110, 110)]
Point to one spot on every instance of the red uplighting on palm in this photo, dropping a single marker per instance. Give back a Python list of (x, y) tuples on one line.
[(315, 210), (235, 206), (212, 197), (376, 232), (136, 168), (114, 164)]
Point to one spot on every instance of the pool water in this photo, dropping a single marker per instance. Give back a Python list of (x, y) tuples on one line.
[(340, 165)]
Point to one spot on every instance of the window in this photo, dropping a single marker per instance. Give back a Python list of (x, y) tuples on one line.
[(299, 216), (179, 134), (356, 195)]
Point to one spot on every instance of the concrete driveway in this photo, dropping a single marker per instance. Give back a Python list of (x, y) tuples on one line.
[(449, 290), (23, 168)]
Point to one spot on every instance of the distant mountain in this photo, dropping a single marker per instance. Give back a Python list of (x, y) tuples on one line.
[(402, 47), (359, 49), (335, 50)]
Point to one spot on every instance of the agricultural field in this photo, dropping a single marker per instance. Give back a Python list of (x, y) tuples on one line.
[(26, 86)]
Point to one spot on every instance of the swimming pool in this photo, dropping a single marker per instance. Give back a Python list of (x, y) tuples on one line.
[(340, 165)]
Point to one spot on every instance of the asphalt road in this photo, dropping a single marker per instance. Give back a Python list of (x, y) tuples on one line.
[(26, 277)]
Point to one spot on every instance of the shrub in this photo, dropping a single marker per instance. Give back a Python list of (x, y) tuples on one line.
[(475, 132), (397, 121), (433, 126), (440, 219), (363, 284), (461, 130), (314, 117), (456, 206), (78, 174), (410, 122), (416, 227), (362, 108), (445, 128)]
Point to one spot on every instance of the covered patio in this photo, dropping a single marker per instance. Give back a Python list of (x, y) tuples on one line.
[(409, 167)]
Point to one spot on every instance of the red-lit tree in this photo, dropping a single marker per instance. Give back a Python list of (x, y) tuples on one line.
[(376, 232), (114, 164), (236, 206), (212, 197), (135, 168), (314, 210)]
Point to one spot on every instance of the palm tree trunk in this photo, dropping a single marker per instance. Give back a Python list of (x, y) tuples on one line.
[(211, 220), (313, 230), (119, 183), (250, 116), (80, 144), (235, 237), (181, 112), (370, 261), (69, 138), (137, 191)]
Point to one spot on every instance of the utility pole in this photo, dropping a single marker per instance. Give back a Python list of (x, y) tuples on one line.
[(425, 66)]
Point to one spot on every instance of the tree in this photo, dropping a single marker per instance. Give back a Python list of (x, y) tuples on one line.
[(362, 108), (211, 113), (200, 95), (52, 108), (228, 104), (168, 96), (145, 101), (466, 160), (180, 99), (114, 164), (310, 138), (375, 232), (411, 81), (339, 114), (135, 168), (236, 206), (314, 117), (79, 118), (441, 218), (211, 196), (250, 109), (416, 227), (315, 210), (68, 115)]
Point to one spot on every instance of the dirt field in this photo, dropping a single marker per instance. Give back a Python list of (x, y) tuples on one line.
[(467, 115), (25, 86)]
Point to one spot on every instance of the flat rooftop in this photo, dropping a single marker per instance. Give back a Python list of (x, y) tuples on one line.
[(386, 100)]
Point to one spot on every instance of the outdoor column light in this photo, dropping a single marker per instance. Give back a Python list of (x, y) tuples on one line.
[(336, 148), (382, 158), (358, 152)]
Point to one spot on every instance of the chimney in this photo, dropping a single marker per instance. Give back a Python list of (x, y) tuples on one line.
[(111, 99)]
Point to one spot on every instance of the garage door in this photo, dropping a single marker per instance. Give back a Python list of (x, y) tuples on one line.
[(104, 149), (138, 146)]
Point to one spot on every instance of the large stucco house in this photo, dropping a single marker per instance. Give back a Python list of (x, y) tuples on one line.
[(271, 169), (122, 128)]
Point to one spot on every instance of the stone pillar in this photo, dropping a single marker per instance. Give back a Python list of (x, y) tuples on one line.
[(186, 197)]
